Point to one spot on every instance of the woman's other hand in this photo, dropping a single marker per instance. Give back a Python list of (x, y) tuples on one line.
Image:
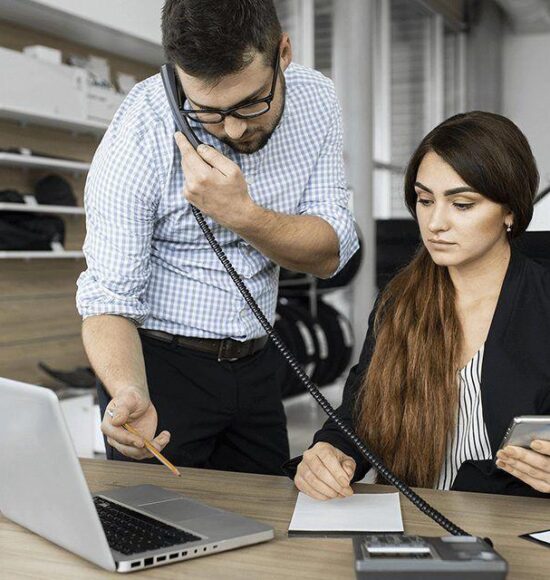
[(325, 472), (532, 466)]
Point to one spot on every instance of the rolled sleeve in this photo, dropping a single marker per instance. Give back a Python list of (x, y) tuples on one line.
[(327, 195), (120, 196)]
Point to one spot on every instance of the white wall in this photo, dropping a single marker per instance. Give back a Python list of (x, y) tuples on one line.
[(136, 18), (526, 100), (129, 28)]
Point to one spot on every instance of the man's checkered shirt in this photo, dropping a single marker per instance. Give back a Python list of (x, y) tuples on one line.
[(147, 258)]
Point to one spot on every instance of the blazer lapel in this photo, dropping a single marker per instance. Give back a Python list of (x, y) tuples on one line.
[(498, 374)]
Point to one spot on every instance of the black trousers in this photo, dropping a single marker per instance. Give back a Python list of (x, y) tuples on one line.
[(221, 415)]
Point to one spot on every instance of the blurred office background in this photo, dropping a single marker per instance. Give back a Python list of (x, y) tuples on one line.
[(399, 66)]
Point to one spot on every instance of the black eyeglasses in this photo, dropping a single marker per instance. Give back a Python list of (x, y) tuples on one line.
[(249, 110)]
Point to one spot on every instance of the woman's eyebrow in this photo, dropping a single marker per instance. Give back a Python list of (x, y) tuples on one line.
[(452, 191)]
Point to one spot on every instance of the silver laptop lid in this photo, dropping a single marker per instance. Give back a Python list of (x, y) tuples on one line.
[(42, 486)]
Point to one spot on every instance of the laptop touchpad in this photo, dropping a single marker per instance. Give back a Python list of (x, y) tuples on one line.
[(177, 510)]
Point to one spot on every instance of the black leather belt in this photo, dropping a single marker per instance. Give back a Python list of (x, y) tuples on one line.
[(225, 349)]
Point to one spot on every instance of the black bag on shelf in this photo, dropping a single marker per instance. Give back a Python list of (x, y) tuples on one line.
[(30, 232), (27, 231), (11, 196), (54, 190)]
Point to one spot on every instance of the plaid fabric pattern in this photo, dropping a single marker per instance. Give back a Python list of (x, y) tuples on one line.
[(147, 258)]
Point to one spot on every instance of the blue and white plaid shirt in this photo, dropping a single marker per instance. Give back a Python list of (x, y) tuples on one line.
[(147, 258)]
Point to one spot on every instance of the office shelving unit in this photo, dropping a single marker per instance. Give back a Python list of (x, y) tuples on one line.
[(53, 254), (57, 121), (31, 205), (40, 162)]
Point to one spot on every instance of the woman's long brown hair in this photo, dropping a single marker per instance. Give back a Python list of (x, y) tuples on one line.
[(407, 405)]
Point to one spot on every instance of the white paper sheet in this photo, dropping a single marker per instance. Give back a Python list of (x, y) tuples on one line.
[(542, 536), (361, 512)]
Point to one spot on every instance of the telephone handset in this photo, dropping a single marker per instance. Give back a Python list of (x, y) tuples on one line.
[(176, 100)]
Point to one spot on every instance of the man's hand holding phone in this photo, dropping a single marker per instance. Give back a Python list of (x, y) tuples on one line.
[(214, 184), (131, 405)]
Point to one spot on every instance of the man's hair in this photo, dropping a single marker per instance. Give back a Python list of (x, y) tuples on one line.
[(209, 39)]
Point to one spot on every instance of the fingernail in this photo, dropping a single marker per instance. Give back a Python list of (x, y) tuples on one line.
[(536, 445), (202, 148), (343, 481)]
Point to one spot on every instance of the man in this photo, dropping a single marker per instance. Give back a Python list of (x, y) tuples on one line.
[(167, 332)]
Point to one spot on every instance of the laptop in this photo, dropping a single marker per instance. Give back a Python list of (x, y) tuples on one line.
[(42, 488)]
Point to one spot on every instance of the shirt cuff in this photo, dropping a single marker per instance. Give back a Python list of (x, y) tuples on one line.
[(344, 227)]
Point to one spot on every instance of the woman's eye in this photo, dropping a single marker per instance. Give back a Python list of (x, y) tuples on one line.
[(463, 206), (422, 201)]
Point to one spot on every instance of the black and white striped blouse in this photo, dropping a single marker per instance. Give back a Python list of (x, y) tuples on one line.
[(470, 439)]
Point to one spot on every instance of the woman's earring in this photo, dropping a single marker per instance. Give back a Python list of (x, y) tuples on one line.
[(508, 228)]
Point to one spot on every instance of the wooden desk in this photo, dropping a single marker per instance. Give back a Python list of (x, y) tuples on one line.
[(271, 500)]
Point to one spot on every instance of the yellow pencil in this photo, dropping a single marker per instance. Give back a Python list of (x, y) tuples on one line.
[(149, 446)]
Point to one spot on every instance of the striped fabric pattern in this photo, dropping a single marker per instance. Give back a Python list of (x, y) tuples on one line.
[(147, 259), (470, 440)]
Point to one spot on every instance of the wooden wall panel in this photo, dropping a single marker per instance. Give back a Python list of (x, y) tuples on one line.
[(38, 317), (23, 279), (19, 361), (48, 140), (52, 316)]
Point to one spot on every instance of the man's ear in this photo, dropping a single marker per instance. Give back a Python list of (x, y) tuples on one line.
[(285, 48)]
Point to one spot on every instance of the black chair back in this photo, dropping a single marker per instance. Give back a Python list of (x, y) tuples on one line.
[(398, 239), (535, 245)]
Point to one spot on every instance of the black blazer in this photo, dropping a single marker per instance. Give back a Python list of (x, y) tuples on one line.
[(515, 377)]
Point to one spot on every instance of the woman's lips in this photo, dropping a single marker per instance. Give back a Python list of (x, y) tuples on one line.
[(441, 242)]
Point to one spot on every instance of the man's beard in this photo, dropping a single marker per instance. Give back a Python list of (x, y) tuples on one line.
[(261, 138)]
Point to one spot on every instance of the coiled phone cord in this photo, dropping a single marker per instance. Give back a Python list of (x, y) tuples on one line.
[(373, 459)]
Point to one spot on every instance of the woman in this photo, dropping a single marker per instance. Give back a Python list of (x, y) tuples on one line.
[(458, 341)]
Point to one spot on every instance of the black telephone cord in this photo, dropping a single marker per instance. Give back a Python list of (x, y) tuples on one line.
[(373, 459)]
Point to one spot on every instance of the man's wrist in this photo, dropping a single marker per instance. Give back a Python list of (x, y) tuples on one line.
[(249, 220), (116, 390)]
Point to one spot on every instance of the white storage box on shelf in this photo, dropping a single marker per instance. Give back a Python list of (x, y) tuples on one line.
[(44, 53), (39, 88), (102, 103)]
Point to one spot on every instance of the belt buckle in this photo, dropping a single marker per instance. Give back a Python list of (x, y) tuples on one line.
[(220, 352)]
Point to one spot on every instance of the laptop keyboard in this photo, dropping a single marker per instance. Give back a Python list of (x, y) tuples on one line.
[(130, 532)]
